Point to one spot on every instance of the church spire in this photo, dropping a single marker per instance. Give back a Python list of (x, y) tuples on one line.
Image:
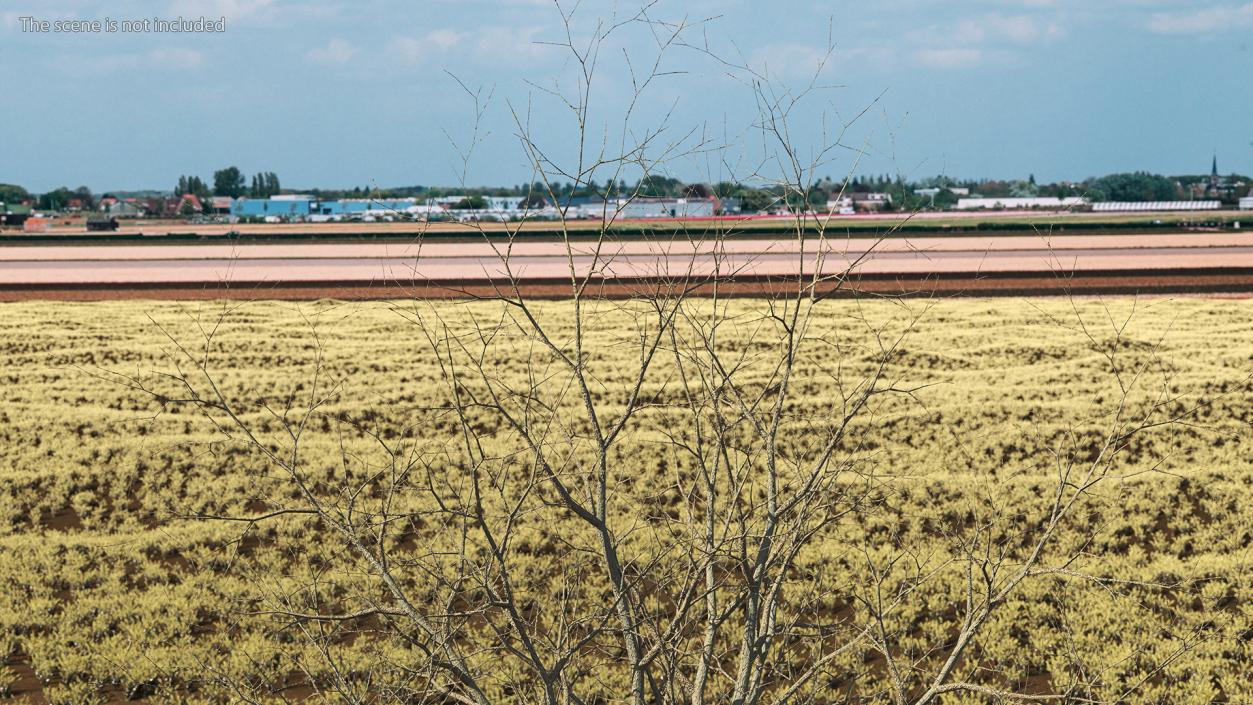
[(1214, 171)]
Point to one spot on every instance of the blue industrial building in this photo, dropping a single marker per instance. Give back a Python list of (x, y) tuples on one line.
[(301, 207), (267, 207)]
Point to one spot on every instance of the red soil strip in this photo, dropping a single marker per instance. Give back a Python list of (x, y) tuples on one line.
[(1227, 282)]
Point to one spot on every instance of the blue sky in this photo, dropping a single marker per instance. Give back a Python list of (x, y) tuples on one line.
[(339, 93)]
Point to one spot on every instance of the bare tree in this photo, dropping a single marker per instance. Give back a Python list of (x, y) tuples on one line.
[(568, 528)]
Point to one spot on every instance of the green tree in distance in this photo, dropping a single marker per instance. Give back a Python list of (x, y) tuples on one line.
[(471, 203), (191, 185), (12, 193), (264, 185), (228, 182), (1137, 186)]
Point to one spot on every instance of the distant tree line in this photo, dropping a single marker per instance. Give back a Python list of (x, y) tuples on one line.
[(230, 182), (264, 185), (191, 185), (1138, 186), (56, 200), (12, 193), (1135, 186)]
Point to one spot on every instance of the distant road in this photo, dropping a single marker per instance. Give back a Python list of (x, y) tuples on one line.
[(1203, 262)]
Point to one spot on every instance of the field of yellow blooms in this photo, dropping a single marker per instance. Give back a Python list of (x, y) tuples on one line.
[(111, 591)]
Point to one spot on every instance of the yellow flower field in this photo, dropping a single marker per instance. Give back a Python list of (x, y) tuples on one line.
[(112, 590)]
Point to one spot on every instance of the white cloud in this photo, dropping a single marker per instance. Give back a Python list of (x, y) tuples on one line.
[(788, 59), (509, 44), (1219, 18), (952, 58), (993, 28), (1022, 29), (444, 38), (974, 40), (336, 52), (512, 46), (11, 19), (415, 50), (176, 58), (232, 10)]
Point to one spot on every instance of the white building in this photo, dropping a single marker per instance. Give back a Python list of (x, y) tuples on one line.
[(504, 203), (843, 206), (871, 201), (1140, 206), (1246, 204), (933, 192), (665, 208), (1044, 202)]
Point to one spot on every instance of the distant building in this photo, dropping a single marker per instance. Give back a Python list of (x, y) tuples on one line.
[(339, 209), (665, 208), (15, 214), (1144, 206), (870, 201), (127, 208), (300, 208), (933, 192), (1246, 203), (584, 207), (221, 205), (1226, 188), (285, 207), (1042, 202), (842, 206), (504, 203), (102, 224), (188, 203)]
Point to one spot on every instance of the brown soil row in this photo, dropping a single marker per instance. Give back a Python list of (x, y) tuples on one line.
[(1228, 282)]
